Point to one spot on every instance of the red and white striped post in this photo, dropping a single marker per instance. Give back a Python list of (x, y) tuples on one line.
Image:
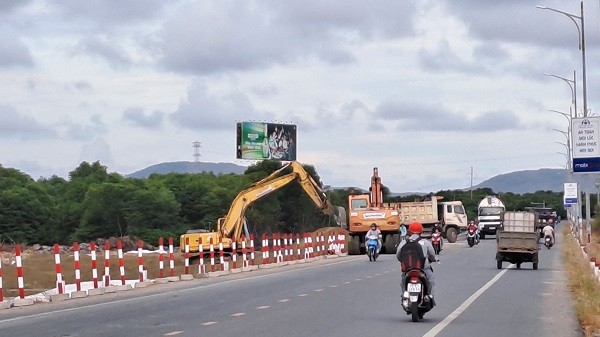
[(186, 262), (298, 255), (201, 267), (244, 253), (121, 261), (140, 261), (252, 249), (20, 280), (212, 255), (318, 243), (285, 247), (60, 284), (311, 250), (107, 264), (221, 255), (77, 266), (171, 258), (263, 248), (233, 255), (94, 264), (323, 244), (161, 258), (1, 292)]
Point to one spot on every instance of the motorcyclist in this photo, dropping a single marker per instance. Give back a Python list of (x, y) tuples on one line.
[(375, 233), (437, 228), (473, 226), (548, 231), (415, 229), (403, 231)]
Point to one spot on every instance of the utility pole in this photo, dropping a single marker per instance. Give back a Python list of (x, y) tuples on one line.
[(471, 188)]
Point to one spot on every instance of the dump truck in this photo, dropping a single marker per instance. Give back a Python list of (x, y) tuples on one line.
[(489, 215), (233, 228), (432, 211), (518, 239), (366, 209)]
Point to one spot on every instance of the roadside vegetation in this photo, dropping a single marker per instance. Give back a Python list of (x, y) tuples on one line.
[(584, 285)]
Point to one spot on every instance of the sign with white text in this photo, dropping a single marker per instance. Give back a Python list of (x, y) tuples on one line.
[(571, 194), (585, 134)]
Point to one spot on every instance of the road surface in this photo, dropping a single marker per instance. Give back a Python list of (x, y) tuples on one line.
[(348, 296)]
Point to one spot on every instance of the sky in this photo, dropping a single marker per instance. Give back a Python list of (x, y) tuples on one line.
[(425, 90)]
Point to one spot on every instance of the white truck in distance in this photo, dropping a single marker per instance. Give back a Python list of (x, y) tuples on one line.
[(490, 215)]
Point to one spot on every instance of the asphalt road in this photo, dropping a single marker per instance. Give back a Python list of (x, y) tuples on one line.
[(348, 296)]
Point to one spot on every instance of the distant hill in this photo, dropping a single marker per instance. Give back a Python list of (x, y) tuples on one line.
[(531, 181), (188, 167)]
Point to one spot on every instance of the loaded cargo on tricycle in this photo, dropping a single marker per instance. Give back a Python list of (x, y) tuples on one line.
[(518, 239)]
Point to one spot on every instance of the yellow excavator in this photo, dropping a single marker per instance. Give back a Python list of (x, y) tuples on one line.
[(231, 227)]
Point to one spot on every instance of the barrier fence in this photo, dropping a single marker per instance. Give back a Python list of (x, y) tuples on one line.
[(275, 249)]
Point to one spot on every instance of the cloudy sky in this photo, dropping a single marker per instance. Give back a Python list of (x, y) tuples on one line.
[(422, 89)]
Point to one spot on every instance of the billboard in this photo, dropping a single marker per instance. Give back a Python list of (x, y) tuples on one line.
[(585, 134), (570, 194), (258, 141)]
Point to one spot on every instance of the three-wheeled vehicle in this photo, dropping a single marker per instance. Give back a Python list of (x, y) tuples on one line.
[(518, 239)]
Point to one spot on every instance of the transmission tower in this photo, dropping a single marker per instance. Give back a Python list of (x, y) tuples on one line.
[(197, 145)]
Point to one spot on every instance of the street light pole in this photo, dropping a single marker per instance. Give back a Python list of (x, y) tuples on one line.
[(581, 35), (573, 89)]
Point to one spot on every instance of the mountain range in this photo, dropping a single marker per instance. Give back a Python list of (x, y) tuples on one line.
[(519, 182)]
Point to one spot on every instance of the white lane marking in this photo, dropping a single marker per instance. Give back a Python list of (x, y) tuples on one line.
[(169, 293), (302, 295), (333, 286), (441, 325), (263, 307), (283, 300), (377, 274), (358, 279), (545, 294), (238, 314), (208, 323), (347, 282), (318, 289), (173, 333)]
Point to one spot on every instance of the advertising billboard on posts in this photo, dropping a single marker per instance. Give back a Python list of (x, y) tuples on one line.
[(585, 134), (258, 141)]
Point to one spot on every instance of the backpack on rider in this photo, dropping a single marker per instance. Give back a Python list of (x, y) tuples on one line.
[(411, 255)]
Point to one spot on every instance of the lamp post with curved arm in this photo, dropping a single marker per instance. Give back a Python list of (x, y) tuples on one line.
[(573, 85), (581, 35)]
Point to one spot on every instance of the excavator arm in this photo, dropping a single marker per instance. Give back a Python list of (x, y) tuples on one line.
[(231, 226)]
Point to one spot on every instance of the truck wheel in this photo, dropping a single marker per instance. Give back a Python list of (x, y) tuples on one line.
[(518, 265), (390, 244), (535, 266), (354, 246), (499, 264), (451, 235)]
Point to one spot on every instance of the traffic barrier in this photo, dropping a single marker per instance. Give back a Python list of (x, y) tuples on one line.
[(94, 264), (265, 249), (20, 280), (171, 258), (298, 256), (233, 255), (323, 247), (244, 253), (212, 256), (252, 250), (121, 261), (186, 265), (1, 291), (107, 264), (77, 266), (201, 267), (140, 261), (60, 284), (278, 245), (221, 255), (161, 262)]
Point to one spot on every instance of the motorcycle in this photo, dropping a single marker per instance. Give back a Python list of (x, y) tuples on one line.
[(414, 299), (548, 241), (436, 241), (472, 237), (372, 244)]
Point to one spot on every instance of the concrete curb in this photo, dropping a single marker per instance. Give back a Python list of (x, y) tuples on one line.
[(110, 290), (201, 275), (173, 279), (79, 294), (125, 287), (268, 266), (162, 280), (217, 273), (249, 268), (96, 292), (331, 256), (5, 305), (186, 277), (59, 297), (22, 302), (235, 271), (143, 284)]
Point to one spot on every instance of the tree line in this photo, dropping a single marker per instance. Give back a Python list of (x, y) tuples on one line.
[(93, 203)]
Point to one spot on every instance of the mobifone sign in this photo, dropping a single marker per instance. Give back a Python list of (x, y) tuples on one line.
[(570, 194), (585, 133)]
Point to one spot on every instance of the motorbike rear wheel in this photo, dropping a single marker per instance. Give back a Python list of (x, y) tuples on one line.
[(414, 311)]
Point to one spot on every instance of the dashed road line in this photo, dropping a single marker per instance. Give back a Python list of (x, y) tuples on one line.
[(263, 307), (238, 314), (333, 286), (173, 333), (302, 295), (209, 323), (317, 290), (283, 300)]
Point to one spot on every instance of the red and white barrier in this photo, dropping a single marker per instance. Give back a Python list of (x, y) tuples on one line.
[(201, 267), (94, 264), (252, 249), (161, 258), (311, 250), (77, 266), (244, 253), (298, 255), (286, 251), (233, 255), (140, 261), (60, 283), (221, 255), (186, 263), (107, 264), (1, 291), (171, 258), (121, 261), (20, 280), (212, 255), (279, 256), (265, 249)]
